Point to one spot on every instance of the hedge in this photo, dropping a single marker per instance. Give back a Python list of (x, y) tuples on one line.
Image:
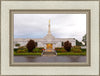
[(83, 50), (15, 50), (22, 54), (71, 53)]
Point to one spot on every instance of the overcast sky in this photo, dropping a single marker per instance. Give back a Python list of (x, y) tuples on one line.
[(62, 25)]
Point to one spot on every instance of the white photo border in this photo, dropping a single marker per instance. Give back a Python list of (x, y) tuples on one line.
[(92, 70)]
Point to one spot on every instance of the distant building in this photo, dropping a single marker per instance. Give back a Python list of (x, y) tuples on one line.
[(48, 42)]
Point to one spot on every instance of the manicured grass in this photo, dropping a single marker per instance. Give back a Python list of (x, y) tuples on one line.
[(71, 53), (24, 54)]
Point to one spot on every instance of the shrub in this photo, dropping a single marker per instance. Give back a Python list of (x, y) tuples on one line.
[(71, 53), (83, 50), (77, 47), (41, 48), (67, 46), (22, 49), (24, 54), (31, 45), (38, 50), (76, 50), (60, 50), (17, 44), (15, 50)]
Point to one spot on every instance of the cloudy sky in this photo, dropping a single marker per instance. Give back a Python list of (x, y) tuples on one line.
[(62, 25)]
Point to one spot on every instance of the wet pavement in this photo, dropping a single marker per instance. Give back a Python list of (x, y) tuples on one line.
[(49, 58)]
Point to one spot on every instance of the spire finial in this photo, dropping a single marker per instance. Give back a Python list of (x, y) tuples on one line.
[(49, 32)]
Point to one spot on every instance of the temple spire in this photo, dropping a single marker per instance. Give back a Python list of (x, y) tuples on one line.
[(49, 32), (49, 21)]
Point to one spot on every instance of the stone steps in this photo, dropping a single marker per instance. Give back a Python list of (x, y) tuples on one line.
[(49, 50)]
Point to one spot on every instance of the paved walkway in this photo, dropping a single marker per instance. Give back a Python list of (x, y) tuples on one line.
[(49, 58)]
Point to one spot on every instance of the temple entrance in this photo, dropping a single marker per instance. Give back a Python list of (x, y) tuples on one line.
[(49, 47)]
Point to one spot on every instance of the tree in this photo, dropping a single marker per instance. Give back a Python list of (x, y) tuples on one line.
[(36, 44), (17, 44), (84, 39), (31, 45), (62, 43), (67, 46), (78, 43)]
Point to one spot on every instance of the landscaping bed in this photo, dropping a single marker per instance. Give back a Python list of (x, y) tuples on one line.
[(23, 51), (25, 54), (71, 53), (76, 50)]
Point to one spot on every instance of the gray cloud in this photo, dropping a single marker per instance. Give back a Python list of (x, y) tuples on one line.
[(62, 25)]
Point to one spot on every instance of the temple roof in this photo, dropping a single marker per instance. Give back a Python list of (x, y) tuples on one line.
[(49, 36)]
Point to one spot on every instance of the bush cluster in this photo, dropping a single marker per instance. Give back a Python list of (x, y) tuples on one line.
[(17, 44), (71, 53), (35, 54), (83, 50), (76, 49), (22, 49), (60, 50), (38, 50)]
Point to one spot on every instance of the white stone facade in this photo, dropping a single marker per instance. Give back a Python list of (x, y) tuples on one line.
[(48, 39), (57, 42)]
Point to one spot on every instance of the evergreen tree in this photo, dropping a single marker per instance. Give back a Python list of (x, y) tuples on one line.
[(67, 46), (78, 43), (31, 45), (84, 39)]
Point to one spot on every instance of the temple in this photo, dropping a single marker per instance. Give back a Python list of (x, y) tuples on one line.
[(49, 42)]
